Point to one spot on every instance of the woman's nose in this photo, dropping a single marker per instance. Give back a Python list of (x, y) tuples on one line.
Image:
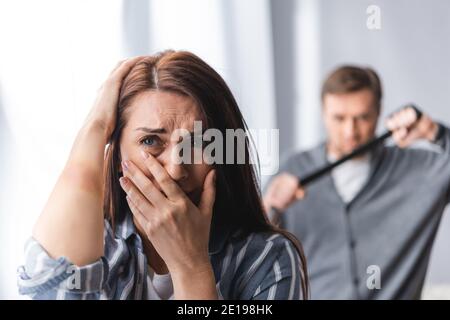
[(173, 164), (176, 171)]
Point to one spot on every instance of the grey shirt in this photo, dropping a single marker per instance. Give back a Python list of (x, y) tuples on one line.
[(389, 226)]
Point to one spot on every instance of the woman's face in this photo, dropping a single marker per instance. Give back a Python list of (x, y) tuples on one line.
[(151, 120)]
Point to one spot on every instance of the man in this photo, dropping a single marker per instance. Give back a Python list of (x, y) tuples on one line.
[(368, 227)]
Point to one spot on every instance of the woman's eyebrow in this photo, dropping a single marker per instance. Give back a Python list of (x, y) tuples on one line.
[(150, 130)]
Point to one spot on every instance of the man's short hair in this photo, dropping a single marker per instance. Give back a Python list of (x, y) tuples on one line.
[(347, 79)]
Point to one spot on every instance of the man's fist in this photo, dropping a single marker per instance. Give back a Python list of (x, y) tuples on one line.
[(407, 127), (283, 190)]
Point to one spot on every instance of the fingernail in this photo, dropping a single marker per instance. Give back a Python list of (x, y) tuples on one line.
[(125, 165), (144, 154), (123, 181)]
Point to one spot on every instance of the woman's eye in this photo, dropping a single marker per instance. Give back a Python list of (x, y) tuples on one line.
[(151, 141)]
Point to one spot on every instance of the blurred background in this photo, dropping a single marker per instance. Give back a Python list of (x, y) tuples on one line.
[(54, 56)]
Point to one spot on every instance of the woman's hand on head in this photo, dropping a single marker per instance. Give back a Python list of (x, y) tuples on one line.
[(177, 229), (76, 204), (104, 111)]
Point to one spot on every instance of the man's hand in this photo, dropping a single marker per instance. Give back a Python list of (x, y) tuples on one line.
[(283, 190), (407, 128)]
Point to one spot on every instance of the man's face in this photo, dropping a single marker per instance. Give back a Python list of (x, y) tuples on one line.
[(350, 120)]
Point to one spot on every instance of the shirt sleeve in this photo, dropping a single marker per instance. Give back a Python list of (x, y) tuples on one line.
[(42, 277), (276, 273)]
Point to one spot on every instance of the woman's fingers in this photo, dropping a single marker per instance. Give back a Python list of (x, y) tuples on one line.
[(139, 200), (104, 111), (170, 187), (123, 68), (144, 184), (208, 194), (140, 217), (117, 65)]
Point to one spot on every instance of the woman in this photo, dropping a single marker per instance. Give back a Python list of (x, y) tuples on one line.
[(135, 224)]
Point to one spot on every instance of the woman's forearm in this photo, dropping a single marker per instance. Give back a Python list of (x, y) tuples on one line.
[(71, 223)]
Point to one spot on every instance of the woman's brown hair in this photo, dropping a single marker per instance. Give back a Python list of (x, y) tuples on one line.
[(238, 199)]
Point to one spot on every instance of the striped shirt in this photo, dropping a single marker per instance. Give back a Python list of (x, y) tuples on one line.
[(259, 266)]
